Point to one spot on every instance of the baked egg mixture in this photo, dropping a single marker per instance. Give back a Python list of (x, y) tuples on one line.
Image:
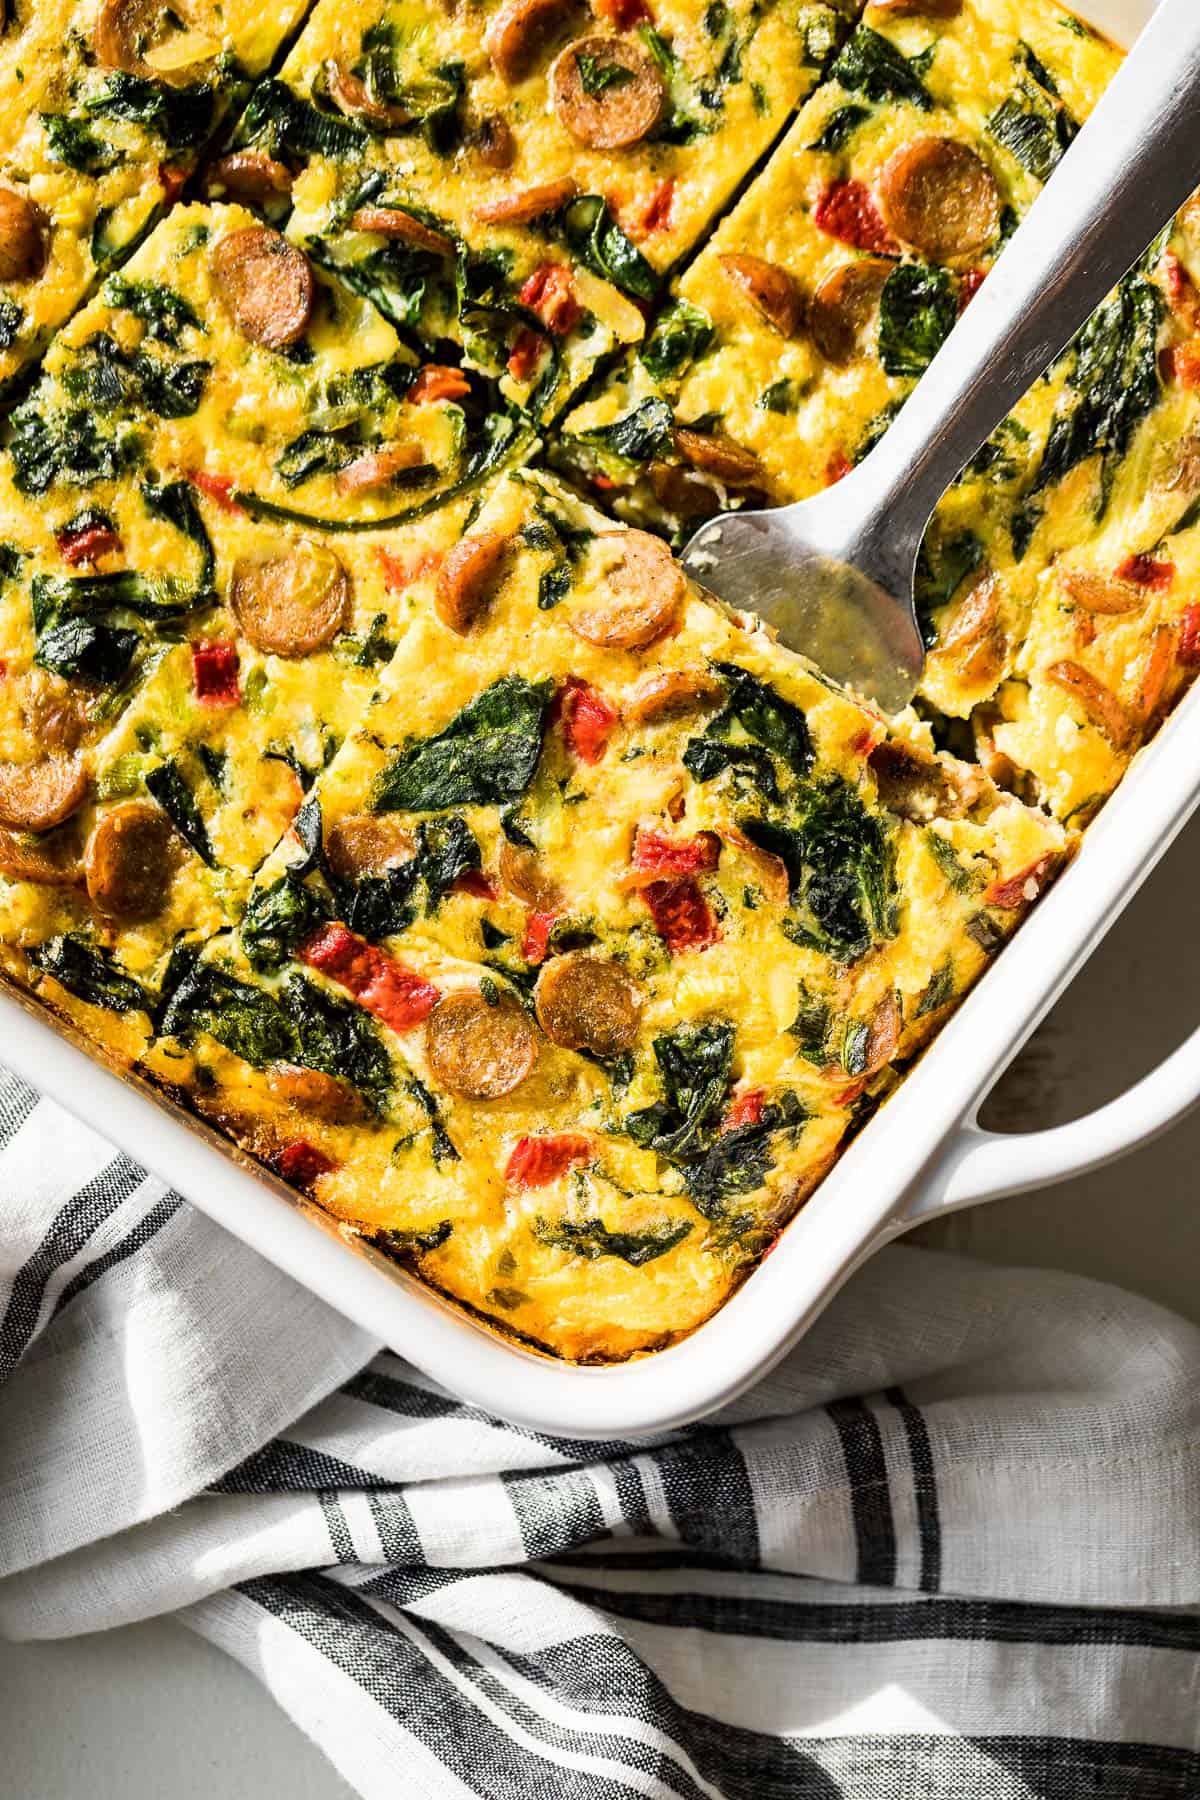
[(372, 779)]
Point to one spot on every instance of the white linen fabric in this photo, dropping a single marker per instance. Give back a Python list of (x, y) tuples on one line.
[(950, 1550)]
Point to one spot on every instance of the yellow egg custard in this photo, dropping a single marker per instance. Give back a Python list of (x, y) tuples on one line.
[(412, 818), (105, 108), (515, 176)]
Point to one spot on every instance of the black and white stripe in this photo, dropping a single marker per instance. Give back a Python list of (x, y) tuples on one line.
[(971, 1574)]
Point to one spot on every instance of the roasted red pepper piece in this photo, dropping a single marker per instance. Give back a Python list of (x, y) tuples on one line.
[(218, 487), (215, 672), (624, 14), (537, 1161), (657, 854), (438, 381), (1188, 648), (382, 985), (86, 543), (1019, 889), (301, 1162), (656, 214), (1146, 572), (847, 211), (747, 1109), (587, 719), (536, 940), (525, 354), (682, 916), (550, 294)]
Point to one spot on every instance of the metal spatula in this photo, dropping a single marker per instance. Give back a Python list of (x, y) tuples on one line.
[(834, 574)]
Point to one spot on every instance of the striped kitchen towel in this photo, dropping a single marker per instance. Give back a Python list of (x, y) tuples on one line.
[(950, 1550)]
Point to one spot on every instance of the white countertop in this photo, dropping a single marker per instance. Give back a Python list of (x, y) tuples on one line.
[(150, 1713)]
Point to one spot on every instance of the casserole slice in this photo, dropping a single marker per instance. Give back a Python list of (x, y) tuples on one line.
[(105, 109), (606, 928), (517, 177)]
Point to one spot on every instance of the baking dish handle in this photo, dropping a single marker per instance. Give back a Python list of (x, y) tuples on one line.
[(979, 1165)]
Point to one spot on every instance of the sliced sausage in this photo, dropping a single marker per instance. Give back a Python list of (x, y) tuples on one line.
[(293, 603), (124, 30), (672, 694), (681, 491), (353, 98), (718, 455), (477, 1051), (129, 861), (920, 787), (517, 32), (884, 1038), (939, 196), (378, 468), (493, 143), (1101, 593), (53, 712), (38, 796), (24, 237), (394, 222), (52, 863), (1096, 701), (249, 176), (267, 285), (1153, 677), (770, 289), (527, 204), (844, 308), (643, 592), (607, 92), (468, 577), (367, 844), (524, 875), (975, 641), (588, 1003), (312, 1091)]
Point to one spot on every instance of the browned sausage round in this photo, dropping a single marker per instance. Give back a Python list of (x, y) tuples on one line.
[(468, 577), (588, 1003), (312, 1091), (266, 283), (493, 143), (129, 861), (517, 32), (24, 237), (607, 92), (643, 592), (53, 712), (844, 307), (394, 222), (293, 603), (718, 455), (125, 30), (1101, 593), (524, 875), (526, 204), (477, 1051), (939, 196), (681, 490), (352, 97), (249, 176), (672, 694), (769, 288), (38, 796), (367, 844), (52, 863), (378, 468)]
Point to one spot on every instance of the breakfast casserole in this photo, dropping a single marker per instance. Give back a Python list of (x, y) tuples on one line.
[(372, 779)]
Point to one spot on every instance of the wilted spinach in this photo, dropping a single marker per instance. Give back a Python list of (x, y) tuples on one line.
[(591, 1238), (486, 756), (168, 786), (869, 64), (91, 973), (917, 312), (682, 332), (597, 239)]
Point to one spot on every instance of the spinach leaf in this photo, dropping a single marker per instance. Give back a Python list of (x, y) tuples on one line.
[(596, 77), (162, 311), (811, 1027), (597, 239), (111, 379), (247, 1020), (778, 729), (402, 1244), (591, 1238), (69, 444), (287, 126), (183, 117), (939, 992), (487, 755), (779, 396), (840, 128), (1033, 124), (73, 143), (75, 647), (707, 757), (1112, 383), (443, 1145), (339, 1039), (739, 1160), (278, 919), (91, 973), (956, 873), (694, 1063), (175, 797), (840, 862), (682, 332), (869, 64), (639, 435), (917, 312), (942, 567), (12, 317)]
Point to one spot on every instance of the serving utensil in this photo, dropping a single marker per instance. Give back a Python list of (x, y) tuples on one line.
[(834, 575)]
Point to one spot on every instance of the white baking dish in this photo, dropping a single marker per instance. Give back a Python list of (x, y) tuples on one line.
[(922, 1155)]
